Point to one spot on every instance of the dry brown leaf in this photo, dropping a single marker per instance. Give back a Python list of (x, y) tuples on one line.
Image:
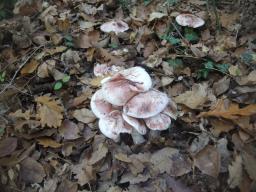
[(30, 67), (235, 172), (31, 171), (123, 157), (134, 179), (99, 154), (53, 51), (249, 164), (87, 40), (47, 142), (84, 173), (19, 114), (194, 98), (49, 111), (208, 161), (67, 186), (7, 146), (169, 160), (84, 115), (232, 111), (69, 130)]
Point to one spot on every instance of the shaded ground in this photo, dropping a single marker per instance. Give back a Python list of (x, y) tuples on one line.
[(49, 137)]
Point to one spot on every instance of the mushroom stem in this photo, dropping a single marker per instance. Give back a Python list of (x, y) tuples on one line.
[(137, 137)]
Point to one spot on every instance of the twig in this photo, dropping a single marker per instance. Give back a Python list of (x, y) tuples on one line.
[(18, 70), (183, 38)]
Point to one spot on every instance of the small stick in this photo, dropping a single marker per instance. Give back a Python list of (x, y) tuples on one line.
[(18, 70)]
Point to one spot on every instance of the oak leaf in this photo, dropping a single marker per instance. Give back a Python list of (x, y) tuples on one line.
[(230, 111), (49, 111)]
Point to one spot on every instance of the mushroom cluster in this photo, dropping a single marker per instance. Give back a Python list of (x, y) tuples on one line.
[(127, 102)]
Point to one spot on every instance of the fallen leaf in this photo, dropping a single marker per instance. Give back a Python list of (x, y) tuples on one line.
[(19, 114), (7, 146), (84, 115), (169, 160), (232, 111), (99, 154), (47, 142), (221, 86), (50, 185), (208, 161), (134, 179), (53, 51), (30, 67), (49, 111), (199, 143), (27, 8), (67, 186), (123, 157), (31, 171), (87, 40), (235, 172), (194, 98), (156, 15), (249, 164), (69, 130), (84, 173)]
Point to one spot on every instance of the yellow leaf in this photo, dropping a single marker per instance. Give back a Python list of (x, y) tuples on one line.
[(95, 82), (49, 111), (47, 142), (232, 111), (29, 67)]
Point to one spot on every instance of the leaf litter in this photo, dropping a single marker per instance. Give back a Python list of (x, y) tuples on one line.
[(198, 52)]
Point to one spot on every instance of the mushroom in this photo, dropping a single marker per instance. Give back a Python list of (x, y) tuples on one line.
[(125, 84), (118, 91), (171, 109), (140, 78), (160, 121), (113, 124), (137, 124), (147, 104), (104, 69), (100, 107), (114, 26), (189, 20)]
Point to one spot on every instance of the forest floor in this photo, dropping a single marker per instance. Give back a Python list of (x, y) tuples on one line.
[(49, 137)]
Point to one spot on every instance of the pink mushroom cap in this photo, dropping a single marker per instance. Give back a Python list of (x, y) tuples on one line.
[(125, 84), (158, 122), (189, 20), (137, 124), (114, 26), (99, 106), (113, 124), (147, 104)]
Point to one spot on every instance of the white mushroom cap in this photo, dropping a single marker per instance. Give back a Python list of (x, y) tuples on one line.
[(118, 91), (147, 104), (104, 69), (189, 20), (114, 26), (113, 124), (137, 124), (100, 107), (158, 122), (141, 79), (171, 109)]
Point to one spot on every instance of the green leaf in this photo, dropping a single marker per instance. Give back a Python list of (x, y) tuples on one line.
[(68, 38), (2, 130), (222, 67), (146, 2), (209, 65), (249, 57), (113, 45), (58, 85), (66, 79), (69, 44), (191, 35), (2, 76), (175, 63), (171, 2)]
